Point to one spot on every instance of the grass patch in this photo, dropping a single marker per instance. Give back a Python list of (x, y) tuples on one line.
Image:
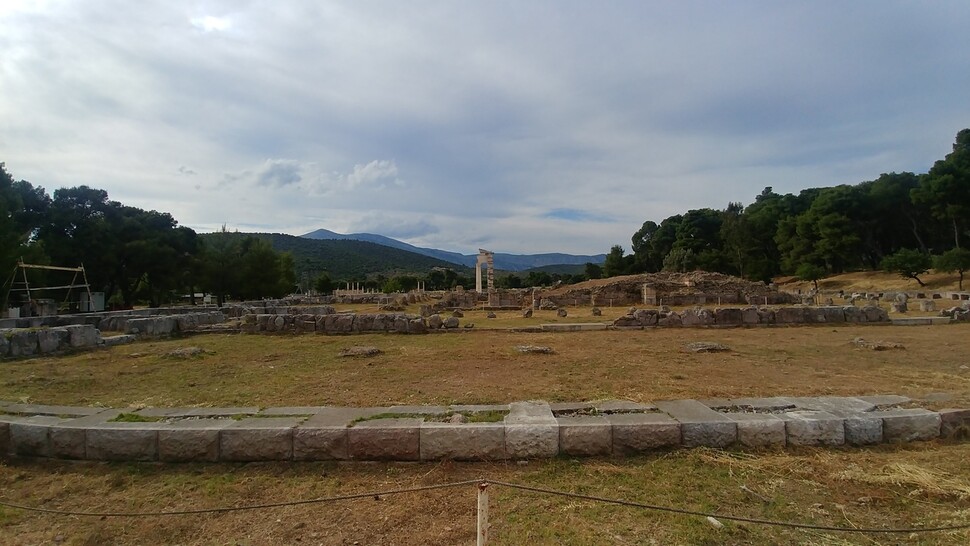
[(133, 418), (493, 416)]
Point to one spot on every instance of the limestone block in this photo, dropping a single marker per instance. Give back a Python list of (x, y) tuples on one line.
[(627, 321), (531, 430), (639, 432), (385, 440), (462, 442), (322, 443), (750, 315), (791, 315), (927, 305), (191, 440), (122, 442), (863, 429), (417, 326), (4, 343), (811, 428), (4, 438), (758, 430), (875, 314), (646, 317), (31, 435), (585, 436), (122, 339), (697, 317), (853, 314), (700, 425), (672, 319), (68, 442), (83, 335), (954, 423), (258, 439), (187, 322), (435, 322), (401, 323), (50, 340), (451, 322), (766, 316), (23, 343), (907, 425), (728, 317), (830, 314)]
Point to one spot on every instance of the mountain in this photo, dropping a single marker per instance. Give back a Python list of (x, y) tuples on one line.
[(507, 262), (348, 259)]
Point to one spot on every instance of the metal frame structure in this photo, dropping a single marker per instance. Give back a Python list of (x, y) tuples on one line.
[(22, 269)]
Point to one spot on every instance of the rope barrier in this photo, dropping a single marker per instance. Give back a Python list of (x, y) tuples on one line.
[(532, 489)]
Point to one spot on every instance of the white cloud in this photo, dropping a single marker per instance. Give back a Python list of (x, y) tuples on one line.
[(208, 23)]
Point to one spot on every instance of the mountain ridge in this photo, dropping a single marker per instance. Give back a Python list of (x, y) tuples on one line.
[(504, 261)]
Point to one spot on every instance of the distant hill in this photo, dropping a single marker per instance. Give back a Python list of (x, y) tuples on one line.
[(561, 269), (507, 262), (347, 259)]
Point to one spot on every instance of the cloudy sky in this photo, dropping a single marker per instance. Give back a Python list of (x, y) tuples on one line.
[(517, 126)]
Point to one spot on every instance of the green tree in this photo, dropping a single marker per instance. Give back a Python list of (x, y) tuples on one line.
[(945, 189), (324, 284), (908, 263), (954, 260), (810, 272), (593, 271), (615, 264)]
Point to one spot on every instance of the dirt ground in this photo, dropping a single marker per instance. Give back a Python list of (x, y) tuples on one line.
[(914, 486)]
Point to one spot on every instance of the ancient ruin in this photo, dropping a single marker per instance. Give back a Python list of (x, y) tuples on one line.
[(487, 258)]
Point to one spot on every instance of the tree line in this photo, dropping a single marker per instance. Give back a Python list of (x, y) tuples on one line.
[(901, 222), (130, 254)]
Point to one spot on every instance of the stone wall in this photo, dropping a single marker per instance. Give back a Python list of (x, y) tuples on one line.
[(23, 342), (752, 316), (150, 327), (113, 321), (340, 323), (521, 430)]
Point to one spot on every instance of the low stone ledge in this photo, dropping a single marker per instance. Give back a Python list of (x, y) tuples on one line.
[(122, 442), (30, 436), (191, 440), (813, 428), (258, 439), (907, 425), (462, 442), (700, 425), (759, 430), (635, 433), (955, 423), (585, 436), (385, 440), (4, 438)]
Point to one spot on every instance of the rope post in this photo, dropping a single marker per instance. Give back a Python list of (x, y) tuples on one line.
[(482, 536)]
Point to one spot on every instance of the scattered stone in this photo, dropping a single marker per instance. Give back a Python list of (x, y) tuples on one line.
[(597, 312), (707, 347), (451, 322), (877, 345), (535, 349), (457, 419), (490, 315), (548, 305), (527, 313), (435, 322), (186, 352), (561, 313), (469, 325), (457, 314), (360, 351), (927, 305)]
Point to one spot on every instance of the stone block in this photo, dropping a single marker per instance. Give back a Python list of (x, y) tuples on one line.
[(68, 442), (585, 436), (51, 340), (122, 442), (531, 430), (123, 339), (321, 443), (462, 442), (258, 439), (671, 319), (880, 401), (853, 314), (830, 315), (4, 438), (385, 440), (4, 342), (191, 440), (791, 315), (697, 317), (83, 335), (23, 343), (750, 316), (757, 430), (31, 435), (728, 317), (863, 429), (907, 425), (955, 423), (639, 432), (875, 313), (700, 425), (812, 428), (646, 317)]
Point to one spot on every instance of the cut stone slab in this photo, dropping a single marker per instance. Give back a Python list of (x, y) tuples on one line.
[(955, 423), (62, 411), (618, 406), (418, 410), (700, 425), (122, 442), (531, 431), (4, 438), (462, 442), (290, 411), (836, 405), (340, 417), (571, 407), (31, 435), (477, 408), (758, 430), (812, 428), (585, 436), (885, 400), (191, 440), (197, 412), (907, 425), (385, 440), (321, 443), (863, 429), (122, 339), (69, 439), (765, 405), (258, 439), (706, 347), (639, 432), (574, 327)]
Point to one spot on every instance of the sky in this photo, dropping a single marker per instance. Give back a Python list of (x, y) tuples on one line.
[(516, 126)]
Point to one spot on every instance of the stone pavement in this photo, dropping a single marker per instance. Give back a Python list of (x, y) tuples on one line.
[(519, 430)]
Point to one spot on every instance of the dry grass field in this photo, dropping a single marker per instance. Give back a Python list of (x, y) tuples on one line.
[(917, 485)]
